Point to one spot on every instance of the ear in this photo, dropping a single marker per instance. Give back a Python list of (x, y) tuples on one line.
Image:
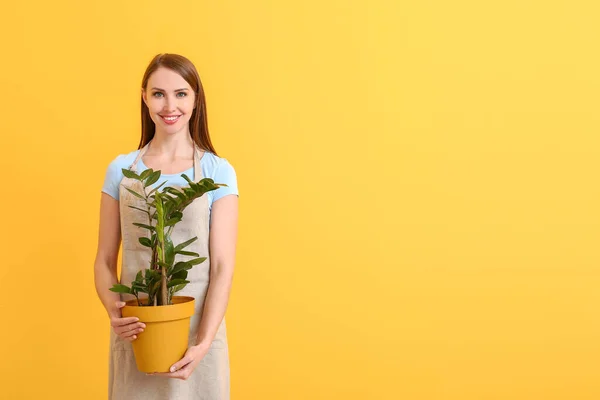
[(144, 97)]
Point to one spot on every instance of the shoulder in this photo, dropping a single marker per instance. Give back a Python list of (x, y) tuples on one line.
[(123, 161), (114, 172), (220, 170), (214, 166), (115, 167)]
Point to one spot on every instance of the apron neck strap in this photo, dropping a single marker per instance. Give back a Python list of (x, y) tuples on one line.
[(133, 166), (197, 166)]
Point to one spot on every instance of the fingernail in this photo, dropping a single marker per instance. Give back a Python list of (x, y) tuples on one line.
[(172, 369)]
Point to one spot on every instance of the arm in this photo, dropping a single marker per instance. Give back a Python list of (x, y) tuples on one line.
[(105, 266), (222, 242)]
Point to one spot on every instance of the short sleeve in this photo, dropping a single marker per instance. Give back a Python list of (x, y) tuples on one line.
[(225, 173), (112, 179)]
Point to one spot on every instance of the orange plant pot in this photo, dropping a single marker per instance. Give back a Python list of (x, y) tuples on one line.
[(164, 341)]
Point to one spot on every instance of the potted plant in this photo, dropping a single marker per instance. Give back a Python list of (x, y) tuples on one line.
[(167, 317)]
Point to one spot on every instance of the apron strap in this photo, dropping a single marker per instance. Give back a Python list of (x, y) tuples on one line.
[(197, 166), (133, 167)]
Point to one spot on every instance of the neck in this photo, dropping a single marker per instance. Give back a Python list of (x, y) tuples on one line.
[(172, 146)]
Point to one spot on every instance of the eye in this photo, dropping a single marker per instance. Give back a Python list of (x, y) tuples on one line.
[(155, 93), (183, 93)]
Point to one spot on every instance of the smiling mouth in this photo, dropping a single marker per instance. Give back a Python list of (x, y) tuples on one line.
[(170, 118)]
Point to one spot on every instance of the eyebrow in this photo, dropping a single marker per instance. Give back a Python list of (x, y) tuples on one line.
[(177, 90)]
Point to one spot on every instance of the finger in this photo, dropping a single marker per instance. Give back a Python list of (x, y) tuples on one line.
[(184, 372), (162, 374), (181, 363), (132, 327), (176, 375), (131, 333), (124, 321), (129, 329)]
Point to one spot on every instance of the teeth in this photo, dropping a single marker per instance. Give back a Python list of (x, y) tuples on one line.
[(171, 118)]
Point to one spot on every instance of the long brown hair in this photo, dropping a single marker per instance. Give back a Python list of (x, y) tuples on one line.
[(198, 121)]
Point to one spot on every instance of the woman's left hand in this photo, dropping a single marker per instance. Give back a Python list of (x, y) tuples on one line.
[(183, 368)]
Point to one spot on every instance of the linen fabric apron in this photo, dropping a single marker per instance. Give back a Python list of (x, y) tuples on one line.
[(210, 379)]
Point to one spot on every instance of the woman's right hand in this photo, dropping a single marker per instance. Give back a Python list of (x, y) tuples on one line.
[(127, 328)]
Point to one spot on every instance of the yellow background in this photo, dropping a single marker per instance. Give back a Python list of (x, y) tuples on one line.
[(418, 191)]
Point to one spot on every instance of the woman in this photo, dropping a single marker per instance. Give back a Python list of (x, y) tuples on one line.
[(174, 140)]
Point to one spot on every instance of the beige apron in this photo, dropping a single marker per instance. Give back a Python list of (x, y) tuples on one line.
[(210, 379)]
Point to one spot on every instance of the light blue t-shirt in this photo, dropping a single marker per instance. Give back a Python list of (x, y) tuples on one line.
[(213, 166)]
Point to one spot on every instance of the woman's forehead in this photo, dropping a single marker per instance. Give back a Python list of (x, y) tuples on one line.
[(166, 79)]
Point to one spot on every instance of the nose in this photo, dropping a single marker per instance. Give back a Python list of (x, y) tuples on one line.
[(169, 104)]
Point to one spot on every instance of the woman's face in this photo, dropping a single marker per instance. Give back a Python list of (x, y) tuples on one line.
[(170, 100)]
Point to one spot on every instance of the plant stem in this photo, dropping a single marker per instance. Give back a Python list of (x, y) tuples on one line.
[(154, 254), (163, 278)]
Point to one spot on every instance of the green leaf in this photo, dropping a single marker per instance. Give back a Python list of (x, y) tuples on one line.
[(180, 275), (140, 290), (135, 193), (175, 192), (152, 179), (172, 221), (194, 186), (118, 288), (138, 276), (170, 252), (137, 285), (209, 184), (130, 174), (146, 173), (177, 288), (151, 228), (197, 261), (175, 282), (177, 214), (156, 188), (186, 178), (188, 253), (185, 244), (181, 266), (169, 199), (144, 241), (146, 211), (167, 208), (152, 275)]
